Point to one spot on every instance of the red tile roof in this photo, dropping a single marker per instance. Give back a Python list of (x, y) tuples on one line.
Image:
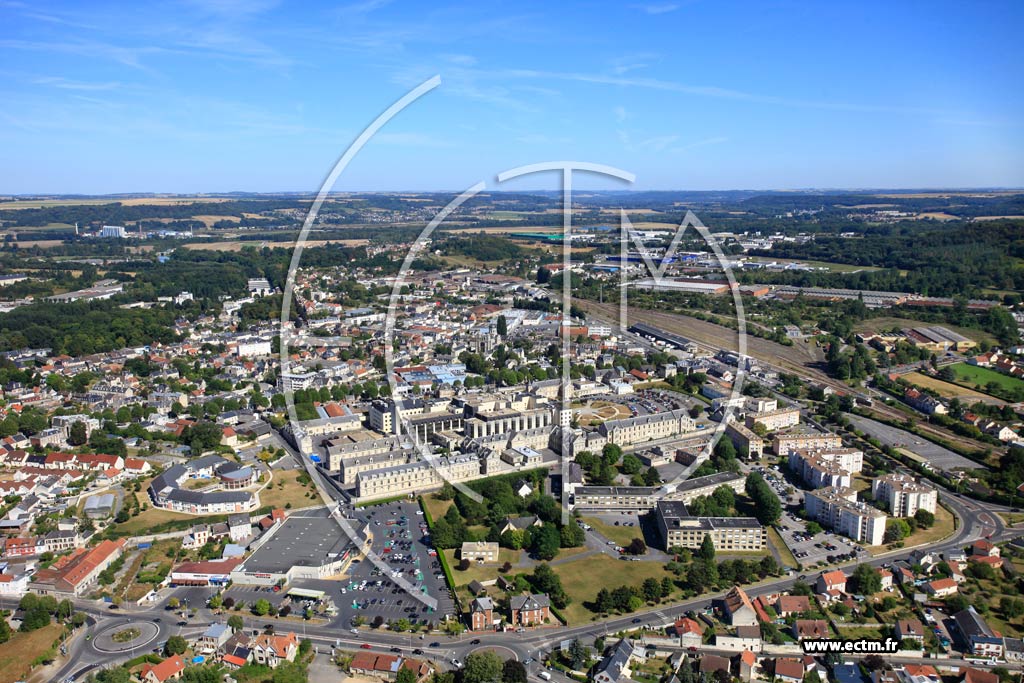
[(165, 669)]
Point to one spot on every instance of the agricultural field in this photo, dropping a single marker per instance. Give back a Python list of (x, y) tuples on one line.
[(238, 245), (947, 389)]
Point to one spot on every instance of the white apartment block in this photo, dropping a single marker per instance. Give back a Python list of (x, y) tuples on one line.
[(761, 404), (832, 467), (838, 509), (804, 439), (775, 419), (612, 498), (904, 495), (252, 348)]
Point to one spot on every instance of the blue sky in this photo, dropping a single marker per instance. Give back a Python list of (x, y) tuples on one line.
[(254, 95)]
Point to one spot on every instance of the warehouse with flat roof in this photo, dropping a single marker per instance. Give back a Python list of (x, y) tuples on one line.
[(298, 548)]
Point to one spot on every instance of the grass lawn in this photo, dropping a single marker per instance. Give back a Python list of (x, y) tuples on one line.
[(17, 653), (292, 492), (944, 526), (436, 508), (972, 375), (1012, 517), (785, 553), (620, 534), (860, 483), (147, 519), (853, 631), (479, 572), (582, 579)]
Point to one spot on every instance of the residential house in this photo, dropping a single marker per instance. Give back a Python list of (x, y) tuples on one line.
[(213, 638), (168, 670), (748, 663), (941, 588), (738, 609), (689, 631), (481, 614), (746, 638), (910, 629), (709, 664), (374, 665), (977, 635), (788, 605), (972, 675), (237, 651), (831, 581), (810, 628), (270, 649), (919, 673), (239, 528), (985, 548), (614, 667), (529, 610), (789, 670)]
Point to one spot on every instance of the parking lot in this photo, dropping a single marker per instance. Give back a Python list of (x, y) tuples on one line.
[(648, 401), (400, 538), (808, 550)]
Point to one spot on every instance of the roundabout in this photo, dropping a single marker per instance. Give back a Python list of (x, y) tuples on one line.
[(125, 636), (500, 650)]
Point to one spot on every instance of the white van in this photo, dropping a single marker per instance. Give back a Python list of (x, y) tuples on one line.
[(545, 675)]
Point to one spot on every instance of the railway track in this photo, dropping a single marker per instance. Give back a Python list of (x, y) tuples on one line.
[(794, 359)]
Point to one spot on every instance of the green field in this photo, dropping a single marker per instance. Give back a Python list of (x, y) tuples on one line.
[(972, 376), (583, 578)]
